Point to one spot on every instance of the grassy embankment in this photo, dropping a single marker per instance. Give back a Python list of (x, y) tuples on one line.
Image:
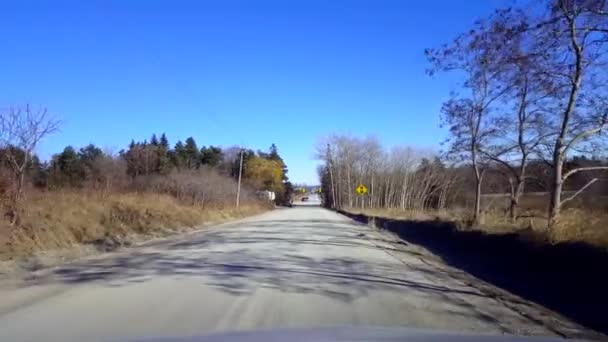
[(583, 220), (68, 219)]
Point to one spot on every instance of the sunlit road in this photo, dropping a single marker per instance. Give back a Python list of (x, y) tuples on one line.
[(298, 267)]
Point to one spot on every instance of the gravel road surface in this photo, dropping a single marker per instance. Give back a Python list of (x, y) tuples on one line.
[(297, 267)]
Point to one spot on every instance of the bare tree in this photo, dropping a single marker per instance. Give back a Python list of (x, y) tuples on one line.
[(469, 118), (572, 41), (519, 125), (21, 129), (402, 178), (110, 172), (469, 129)]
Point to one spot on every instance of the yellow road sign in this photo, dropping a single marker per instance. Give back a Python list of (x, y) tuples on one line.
[(361, 189)]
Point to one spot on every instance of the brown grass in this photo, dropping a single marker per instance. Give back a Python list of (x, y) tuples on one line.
[(59, 220), (585, 223)]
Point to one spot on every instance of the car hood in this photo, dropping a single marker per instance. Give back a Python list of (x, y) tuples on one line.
[(350, 334)]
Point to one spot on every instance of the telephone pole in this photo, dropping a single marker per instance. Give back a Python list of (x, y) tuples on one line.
[(331, 178), (238, 187)]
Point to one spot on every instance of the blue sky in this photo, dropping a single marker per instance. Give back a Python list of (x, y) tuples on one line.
[(232, 72)]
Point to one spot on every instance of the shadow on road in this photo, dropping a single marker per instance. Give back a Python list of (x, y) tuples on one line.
[(569, 278), (290, 257), (238, 262)]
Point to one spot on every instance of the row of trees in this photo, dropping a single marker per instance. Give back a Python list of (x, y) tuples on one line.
[(186, 171), (403, 177), (91, 166), (156, 156), (535, 89), (408, 178)]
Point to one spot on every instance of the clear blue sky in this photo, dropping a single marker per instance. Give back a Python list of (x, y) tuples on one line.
[(232, 72)]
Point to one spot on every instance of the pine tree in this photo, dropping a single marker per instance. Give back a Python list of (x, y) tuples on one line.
[(38, 172), (68, 168), (164, 161), (131, 158), (274, 153), (283, 196), (211, 156), (192, 154), (87, 156), (164, 142), (154, 140), (178, 155)]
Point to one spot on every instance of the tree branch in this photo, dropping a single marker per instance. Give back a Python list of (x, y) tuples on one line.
[(579, 191), (582, 169), (583, 135), (498, 160)]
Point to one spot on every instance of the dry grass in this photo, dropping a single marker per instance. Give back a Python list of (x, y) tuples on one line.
[(415, 215), (583, 224), (586, 225), (60, 220)]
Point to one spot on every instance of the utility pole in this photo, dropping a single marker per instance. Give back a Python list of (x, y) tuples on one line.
[(331, 177), (238, 187)]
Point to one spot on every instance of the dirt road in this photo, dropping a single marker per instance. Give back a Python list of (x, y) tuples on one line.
[(298, 267)]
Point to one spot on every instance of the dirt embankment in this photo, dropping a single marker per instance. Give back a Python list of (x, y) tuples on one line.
[(569, 277)]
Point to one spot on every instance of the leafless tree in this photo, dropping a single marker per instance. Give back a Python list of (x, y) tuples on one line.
[(469, 118), (21, 129), (109, 172), (405, 178), (572, 40), (519, 124)]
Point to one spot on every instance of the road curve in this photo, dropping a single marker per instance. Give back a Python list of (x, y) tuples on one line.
[(300, 267)]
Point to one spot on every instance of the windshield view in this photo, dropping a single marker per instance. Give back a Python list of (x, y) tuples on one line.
[(254, 170)]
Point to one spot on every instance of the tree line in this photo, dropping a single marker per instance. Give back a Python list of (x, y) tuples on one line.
[(533, 99), (415, 179), (203, 175), (403, 177)]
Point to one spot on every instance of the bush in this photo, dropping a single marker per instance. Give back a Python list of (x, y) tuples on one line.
[(204, 187)]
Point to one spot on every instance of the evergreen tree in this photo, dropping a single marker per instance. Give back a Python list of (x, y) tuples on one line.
[(274, 153), (192, 154), (211, 156), (164, 161), (38, 172), (284, 196), (154, 140), (68, 168), (88, 154), (178, 155), (133, 158), (164, 142)]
